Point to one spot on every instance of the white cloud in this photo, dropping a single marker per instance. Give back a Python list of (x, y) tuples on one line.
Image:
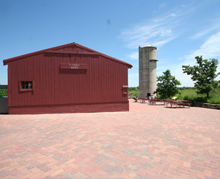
[(211, 27), (133, 56), (153, 33), (161, 6), (157, 31), (163, 42), (209, 49), (202, 33)]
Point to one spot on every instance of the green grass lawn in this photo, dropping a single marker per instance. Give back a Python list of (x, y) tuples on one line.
[(190, 94)]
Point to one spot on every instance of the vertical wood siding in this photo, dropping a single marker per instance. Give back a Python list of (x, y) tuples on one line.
[(102, 82)]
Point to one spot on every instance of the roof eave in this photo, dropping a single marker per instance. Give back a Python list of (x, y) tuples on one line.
[(7, 61)]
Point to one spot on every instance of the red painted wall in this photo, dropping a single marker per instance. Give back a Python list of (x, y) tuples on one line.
[(97, 87)]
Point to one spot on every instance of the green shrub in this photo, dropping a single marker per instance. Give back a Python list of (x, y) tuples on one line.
[(187, 97), (202, 99), (179, 96), (214, 101)]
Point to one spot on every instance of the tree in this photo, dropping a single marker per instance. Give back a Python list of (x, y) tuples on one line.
[(203, 74), (167, 85)]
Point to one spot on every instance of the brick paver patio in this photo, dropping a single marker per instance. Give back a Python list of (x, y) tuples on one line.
[(147, 142)]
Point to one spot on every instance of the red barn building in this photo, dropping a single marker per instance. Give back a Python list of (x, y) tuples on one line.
[(67, 79)]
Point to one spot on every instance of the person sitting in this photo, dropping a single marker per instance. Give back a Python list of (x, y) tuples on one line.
[(135, 98)]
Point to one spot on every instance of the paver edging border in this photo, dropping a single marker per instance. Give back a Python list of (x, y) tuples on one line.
[(206, 105)]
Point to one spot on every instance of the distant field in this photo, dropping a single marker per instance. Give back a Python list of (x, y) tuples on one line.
[(190, 94)]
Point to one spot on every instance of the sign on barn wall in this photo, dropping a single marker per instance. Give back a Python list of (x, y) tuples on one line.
[(73, 66), (3, 93)]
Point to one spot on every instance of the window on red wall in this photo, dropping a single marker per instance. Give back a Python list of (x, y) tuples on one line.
[(25, 85)]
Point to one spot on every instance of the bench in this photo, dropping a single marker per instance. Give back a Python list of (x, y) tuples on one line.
[(168, 101), (154, 101), (142, 100), (183, 103)]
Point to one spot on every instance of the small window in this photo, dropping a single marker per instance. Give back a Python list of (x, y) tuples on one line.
[(26, 85)]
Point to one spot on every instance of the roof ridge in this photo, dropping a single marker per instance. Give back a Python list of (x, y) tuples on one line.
[(6, 61)]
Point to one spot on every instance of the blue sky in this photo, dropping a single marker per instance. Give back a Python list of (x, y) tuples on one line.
[(180, 30)]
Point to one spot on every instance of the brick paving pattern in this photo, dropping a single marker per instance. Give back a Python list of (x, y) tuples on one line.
[(147, 142)]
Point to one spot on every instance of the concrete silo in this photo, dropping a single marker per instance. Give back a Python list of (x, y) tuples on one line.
[(147, 70)]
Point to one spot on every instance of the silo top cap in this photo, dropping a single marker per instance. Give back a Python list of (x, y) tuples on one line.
[(149, 46)]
